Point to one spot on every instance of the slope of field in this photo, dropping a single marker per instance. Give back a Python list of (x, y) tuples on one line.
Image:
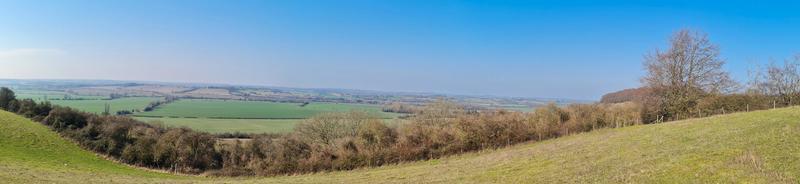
[(98, 106), (755, 147), (255, 110), (32, 153)]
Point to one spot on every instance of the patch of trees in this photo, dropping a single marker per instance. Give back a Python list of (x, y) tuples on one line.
[(304, 104), (113, 96), (781, 81), (6, 98), (397, 107), (627, 95), (124, 112)]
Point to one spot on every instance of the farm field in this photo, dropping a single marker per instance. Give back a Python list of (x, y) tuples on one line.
[(227, 125), (98, 106), (234, 125), (39, 95), (234, 109), (754, 147)]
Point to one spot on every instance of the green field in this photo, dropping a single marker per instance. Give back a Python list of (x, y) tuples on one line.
[(255, 110), (227, 125), (98, 106), (755, 147), (233, 125)]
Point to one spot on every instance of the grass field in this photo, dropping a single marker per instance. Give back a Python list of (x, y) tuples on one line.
[(755, 147), (98, 106), (227, 125), (40, 95), (255, 110), (234, 125)]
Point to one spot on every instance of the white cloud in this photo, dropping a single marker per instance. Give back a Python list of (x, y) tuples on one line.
[(29, 53)]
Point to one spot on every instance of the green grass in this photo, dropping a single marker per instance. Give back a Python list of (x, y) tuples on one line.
[(98, 106), (755, 147), (255, 110), (40, 95), (30, 152), (233, 125), (227, 125)]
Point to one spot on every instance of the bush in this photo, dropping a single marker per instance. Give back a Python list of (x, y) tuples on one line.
[(61, 118), (6, 98), (325, 128), (547, 120)]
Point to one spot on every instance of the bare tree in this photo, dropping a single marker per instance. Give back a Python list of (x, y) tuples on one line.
[(690, 68), (692, 61), (782, 81)]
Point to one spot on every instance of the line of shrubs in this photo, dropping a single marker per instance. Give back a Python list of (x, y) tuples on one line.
[(153, 105), (344, 141)]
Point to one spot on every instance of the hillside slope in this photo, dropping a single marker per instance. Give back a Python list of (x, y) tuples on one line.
[(755, 147)]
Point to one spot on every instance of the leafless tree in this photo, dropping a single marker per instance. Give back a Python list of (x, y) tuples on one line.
[(692, 61), (689, 68), (782, 81)]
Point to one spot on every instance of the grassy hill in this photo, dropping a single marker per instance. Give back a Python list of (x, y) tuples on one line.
[(755, 147)]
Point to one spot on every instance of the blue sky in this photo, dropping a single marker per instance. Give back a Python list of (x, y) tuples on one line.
[(566, 49)]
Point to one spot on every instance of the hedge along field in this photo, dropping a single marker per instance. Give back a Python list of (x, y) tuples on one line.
[(235, 109), (98, 106)]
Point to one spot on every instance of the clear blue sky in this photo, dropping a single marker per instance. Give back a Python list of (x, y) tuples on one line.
[(567, 49)]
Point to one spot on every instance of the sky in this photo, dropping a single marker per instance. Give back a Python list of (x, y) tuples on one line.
[(554, 49)]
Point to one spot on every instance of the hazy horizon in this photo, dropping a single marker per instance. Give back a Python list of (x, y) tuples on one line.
[(544, 49)]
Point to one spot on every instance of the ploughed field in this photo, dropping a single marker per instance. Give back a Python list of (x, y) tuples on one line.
[(753, 147)]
